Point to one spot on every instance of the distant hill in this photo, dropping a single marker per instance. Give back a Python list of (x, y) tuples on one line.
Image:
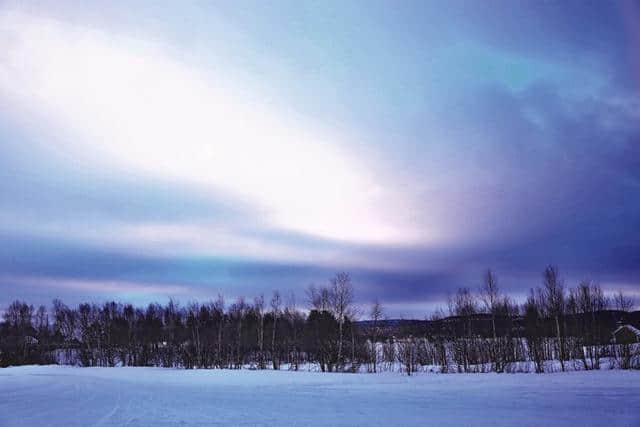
[(481, 324)]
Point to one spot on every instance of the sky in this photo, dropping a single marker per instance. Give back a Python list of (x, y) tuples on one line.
[(189, 149)]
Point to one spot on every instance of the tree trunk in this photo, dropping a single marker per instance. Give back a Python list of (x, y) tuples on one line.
[(560, 344), (219, 355), (273, 344), (340, 341)]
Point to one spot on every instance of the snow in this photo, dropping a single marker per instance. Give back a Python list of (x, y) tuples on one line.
[(71, 396)]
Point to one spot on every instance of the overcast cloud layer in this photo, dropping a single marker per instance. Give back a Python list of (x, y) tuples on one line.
[(192, 149)]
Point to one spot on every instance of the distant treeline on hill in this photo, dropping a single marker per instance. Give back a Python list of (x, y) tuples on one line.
[(576, 328), (481, 324)]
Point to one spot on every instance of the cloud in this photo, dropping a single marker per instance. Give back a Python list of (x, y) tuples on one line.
[(109, 287), (142, 149), (126, 103)]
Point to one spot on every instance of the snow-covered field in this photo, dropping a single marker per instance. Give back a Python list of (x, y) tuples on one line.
[(70, 396)]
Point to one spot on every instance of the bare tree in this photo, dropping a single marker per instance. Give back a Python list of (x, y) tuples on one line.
[(341, 298), (490, 297), (464, 303), (218, 307), (41, 320), (276, 302), (323, 326), (293, 317), (622, 302), (584, 303), (238, 311), (353, 318), (555, 306), (258, 305), (533, 321), (319, 299), (193, 321), (376, 314), (407, 353), (623, 351)]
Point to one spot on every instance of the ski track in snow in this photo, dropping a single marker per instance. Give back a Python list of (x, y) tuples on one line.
[(68, 396)]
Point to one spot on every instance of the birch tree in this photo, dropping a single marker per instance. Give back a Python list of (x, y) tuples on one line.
[(276, 302), (555, 307), (376, 315), (341, 298), (259, 310)]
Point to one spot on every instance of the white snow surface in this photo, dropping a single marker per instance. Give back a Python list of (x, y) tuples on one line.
[(72, 396)]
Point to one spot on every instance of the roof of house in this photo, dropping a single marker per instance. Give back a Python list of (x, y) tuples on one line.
[(30, 340), (629, 327)]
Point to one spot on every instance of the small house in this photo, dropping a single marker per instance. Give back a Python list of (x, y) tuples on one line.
[(626, 334), (29, 340)]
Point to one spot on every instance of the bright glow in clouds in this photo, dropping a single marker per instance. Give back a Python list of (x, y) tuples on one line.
[(127, 103)]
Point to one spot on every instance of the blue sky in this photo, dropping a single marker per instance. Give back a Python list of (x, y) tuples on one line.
[(185, 150)]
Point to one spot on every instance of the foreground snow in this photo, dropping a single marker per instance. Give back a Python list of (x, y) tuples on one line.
[(69, 396)]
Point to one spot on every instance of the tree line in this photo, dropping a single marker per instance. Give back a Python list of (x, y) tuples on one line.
[(556, 328), (478, 332)]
